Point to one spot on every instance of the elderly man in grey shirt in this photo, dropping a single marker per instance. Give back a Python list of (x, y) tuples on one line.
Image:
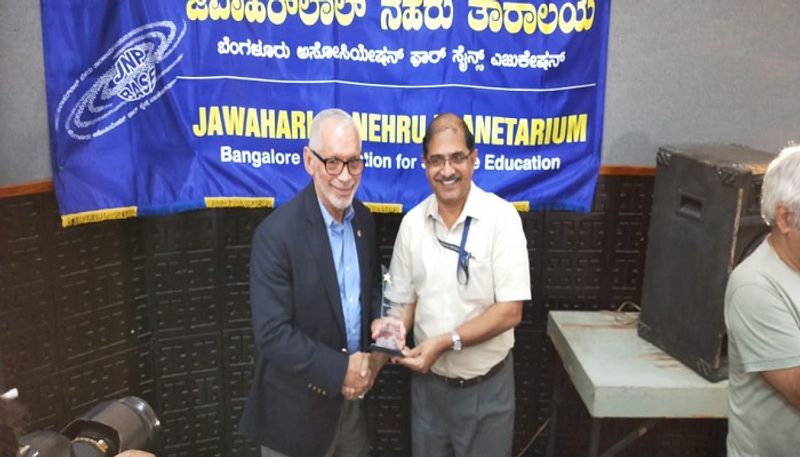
[(762, 313)]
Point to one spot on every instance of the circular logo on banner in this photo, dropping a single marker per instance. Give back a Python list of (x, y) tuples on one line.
[(122, 82), (134, 73)]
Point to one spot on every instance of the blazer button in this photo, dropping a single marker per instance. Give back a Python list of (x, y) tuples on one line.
[(344, 350)]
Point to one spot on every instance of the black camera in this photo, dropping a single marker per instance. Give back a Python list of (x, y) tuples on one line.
[(107, 429)]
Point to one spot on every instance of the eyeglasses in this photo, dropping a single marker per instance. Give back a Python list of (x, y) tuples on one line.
[(334, 166), (455, 159)]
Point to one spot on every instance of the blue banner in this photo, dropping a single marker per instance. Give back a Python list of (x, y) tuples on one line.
[(164, 106)]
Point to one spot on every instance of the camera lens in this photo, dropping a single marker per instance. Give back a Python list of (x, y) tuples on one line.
[(107, 429), (115, 426), (45, 444)]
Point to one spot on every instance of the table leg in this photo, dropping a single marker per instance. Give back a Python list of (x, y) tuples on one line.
[(626, 440), (594, 437), (555, 405)]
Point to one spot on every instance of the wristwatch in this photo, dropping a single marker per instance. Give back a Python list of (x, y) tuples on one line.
[(457, 345)]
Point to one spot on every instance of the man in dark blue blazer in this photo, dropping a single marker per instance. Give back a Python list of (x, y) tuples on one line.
[(313, 296)]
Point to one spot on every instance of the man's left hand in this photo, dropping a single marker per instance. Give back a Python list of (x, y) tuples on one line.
[(422, 357)]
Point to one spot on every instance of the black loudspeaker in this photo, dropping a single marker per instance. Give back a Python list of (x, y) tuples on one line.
[(704, 220)]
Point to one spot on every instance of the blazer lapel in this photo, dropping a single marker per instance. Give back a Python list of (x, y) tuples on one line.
[(362, 255), (320, 249), (364, 268)]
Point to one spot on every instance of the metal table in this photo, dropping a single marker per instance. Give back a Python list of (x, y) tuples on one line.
[(617, 374)]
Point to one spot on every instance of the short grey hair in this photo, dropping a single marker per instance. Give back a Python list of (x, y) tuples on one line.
[(341, 118), (782, 185)]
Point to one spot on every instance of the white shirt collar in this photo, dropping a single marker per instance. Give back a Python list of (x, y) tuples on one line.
[(472, 207)]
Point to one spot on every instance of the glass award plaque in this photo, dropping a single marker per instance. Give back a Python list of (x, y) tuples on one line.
[(391, 337)]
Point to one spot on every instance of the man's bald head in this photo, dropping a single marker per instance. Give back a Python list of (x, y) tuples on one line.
[(445, 122)]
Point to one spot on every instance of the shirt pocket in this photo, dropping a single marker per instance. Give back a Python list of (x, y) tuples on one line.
[(480, 285)]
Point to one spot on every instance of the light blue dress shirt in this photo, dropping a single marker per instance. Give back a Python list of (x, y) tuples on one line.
[(348, 274)]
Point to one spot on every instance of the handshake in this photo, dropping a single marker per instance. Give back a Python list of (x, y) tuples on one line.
[(363, 367)]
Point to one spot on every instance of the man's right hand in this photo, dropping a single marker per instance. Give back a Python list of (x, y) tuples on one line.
[(358, 379)]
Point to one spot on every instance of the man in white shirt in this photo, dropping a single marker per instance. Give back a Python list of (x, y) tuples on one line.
[(460, 263)]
